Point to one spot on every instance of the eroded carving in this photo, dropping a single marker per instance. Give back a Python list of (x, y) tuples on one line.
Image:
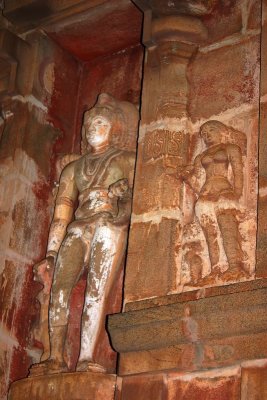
[(94, 235), (216, 180), (162, 142)]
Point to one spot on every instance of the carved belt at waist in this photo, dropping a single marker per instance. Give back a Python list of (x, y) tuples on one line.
[(95, 202)]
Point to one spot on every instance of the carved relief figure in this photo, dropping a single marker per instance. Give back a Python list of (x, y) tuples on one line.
[(94, 234), (217, 179)]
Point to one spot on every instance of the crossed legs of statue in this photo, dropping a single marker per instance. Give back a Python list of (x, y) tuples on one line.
[(102, 246)]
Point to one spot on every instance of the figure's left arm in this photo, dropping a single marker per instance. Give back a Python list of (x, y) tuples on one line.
[(235, 158), (123, 190)]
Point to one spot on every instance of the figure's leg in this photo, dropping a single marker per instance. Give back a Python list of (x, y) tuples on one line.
[(211, 235), (209, 227), (231, 238), (68, 268), (107, 250)]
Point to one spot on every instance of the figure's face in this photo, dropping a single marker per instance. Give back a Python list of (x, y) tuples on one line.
[(97, 130), (210, 134)]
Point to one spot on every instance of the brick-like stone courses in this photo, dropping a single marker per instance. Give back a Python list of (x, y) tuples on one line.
[(262, 199), (241, 382), (222, 84), (29, 138), (192, 335)]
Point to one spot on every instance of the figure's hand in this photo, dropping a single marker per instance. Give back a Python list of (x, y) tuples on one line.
[(183, 172), (119, 188), (45, 266)]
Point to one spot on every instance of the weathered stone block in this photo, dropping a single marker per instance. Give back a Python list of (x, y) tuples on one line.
[(224, 20), (211, 386), (72, 386), (143, 388), (151, 268), (263, 88), (254, 381), (192, 334), (224, 78), (261, 268)]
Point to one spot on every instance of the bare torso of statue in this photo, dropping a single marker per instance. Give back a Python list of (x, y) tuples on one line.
[(93, 235)]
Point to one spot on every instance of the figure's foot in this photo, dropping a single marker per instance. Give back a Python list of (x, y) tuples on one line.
[(89, 366), (235, 272), (47, 367)]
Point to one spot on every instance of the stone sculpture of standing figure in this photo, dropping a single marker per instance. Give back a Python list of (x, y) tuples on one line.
[(95, 234), (218, 195)]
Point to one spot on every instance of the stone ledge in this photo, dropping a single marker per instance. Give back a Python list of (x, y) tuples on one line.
[(67, 386), (196, 294), (193, 335)]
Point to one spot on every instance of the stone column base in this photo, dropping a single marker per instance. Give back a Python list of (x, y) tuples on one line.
[(67, 386)]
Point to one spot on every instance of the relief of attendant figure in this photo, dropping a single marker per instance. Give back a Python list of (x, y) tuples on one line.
[(217, 179), (91, 235)]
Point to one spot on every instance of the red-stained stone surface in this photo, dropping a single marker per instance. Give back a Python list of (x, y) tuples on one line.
[(246, 381), (205, 388), (119, 75), (26, 182), (261, 269), (143, 388), (222, 82), (224, 78), (89, 37), (254, 381)]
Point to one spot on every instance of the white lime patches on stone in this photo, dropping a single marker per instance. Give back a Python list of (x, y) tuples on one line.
[(212, 373), (33, 101), (76, 232), (54, 313), (104, 242), (96, 199), (263, 191), (171, 124), (155, 217)]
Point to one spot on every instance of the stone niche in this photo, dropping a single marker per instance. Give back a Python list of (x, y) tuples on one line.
[(55, 60)]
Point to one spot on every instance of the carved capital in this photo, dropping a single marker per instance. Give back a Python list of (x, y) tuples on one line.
[(189, 7), (174, 21)]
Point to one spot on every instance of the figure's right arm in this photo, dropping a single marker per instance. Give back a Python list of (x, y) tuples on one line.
[(192, 174), (64, 208)]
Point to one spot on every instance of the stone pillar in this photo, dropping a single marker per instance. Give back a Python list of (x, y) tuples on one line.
[(159, 207)]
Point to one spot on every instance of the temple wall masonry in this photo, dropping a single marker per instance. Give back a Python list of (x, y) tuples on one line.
[(178, 320), (28, 139), (221, 83), (186, 317)]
